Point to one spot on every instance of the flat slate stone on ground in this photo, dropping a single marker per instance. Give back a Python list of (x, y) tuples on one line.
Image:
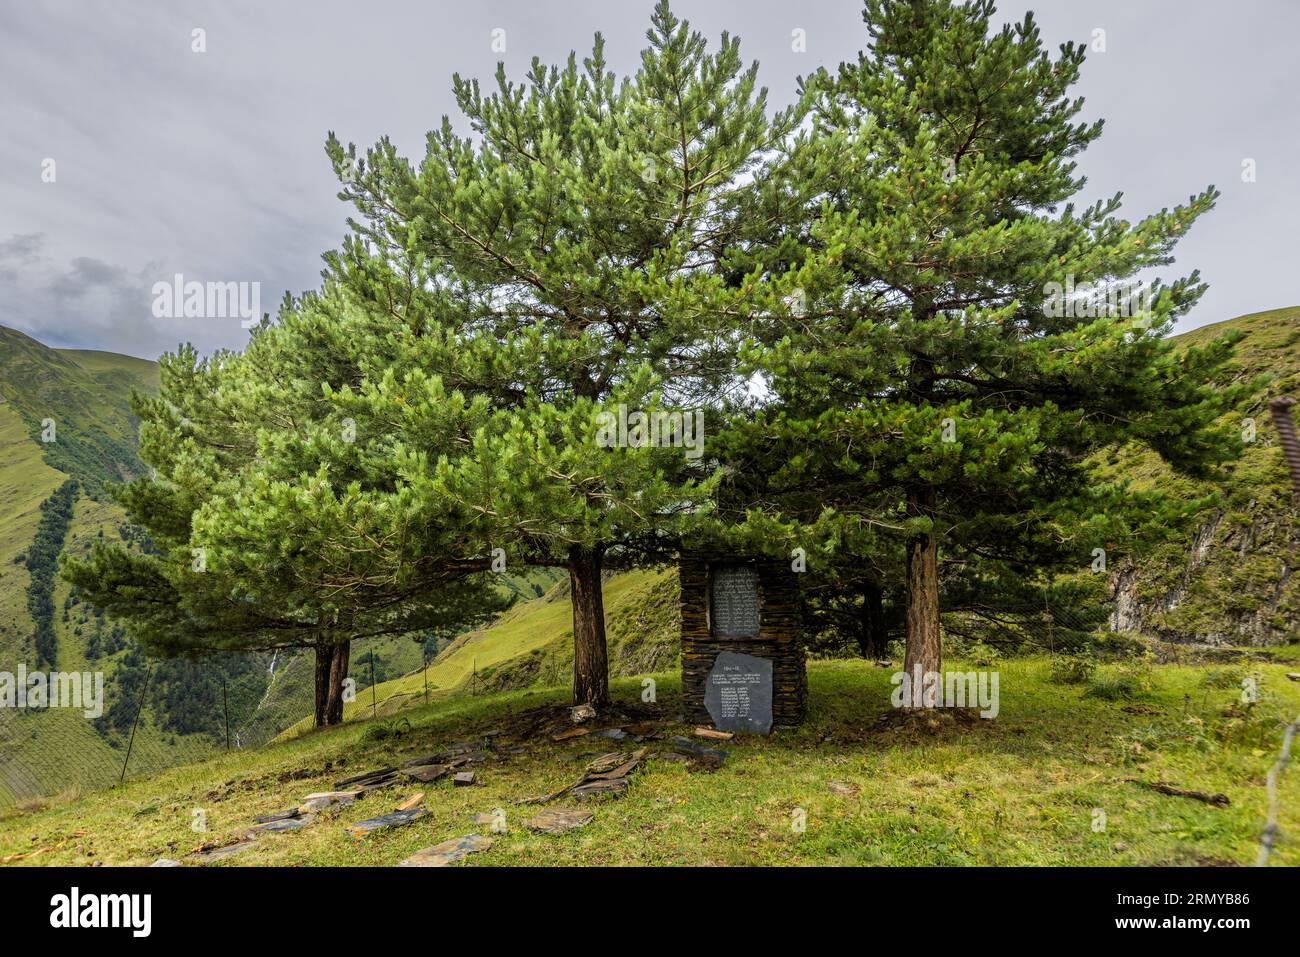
[(224, 851), (165, 862), (366, 777), (612, 782), (448, 852), (607, 762), (396, 819), (277, 816), (571, 733), (614, 787), (320, 800), (557, 820), (463, 779), (700, 753), (285, 823), (427, 773)]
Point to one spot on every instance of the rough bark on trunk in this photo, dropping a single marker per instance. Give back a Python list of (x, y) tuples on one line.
[(590, 663), (923, 649), (324, 653), (339, 654), (871, 637)]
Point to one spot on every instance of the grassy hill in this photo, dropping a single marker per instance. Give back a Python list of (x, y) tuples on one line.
[(1232, 581), (1023, 789)]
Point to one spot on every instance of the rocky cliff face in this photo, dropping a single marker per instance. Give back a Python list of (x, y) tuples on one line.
[(1236, 584)]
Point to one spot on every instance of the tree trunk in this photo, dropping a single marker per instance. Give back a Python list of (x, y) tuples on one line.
[(324, 653), (871, 636), (923, 649), (590, 663), (339, 654)]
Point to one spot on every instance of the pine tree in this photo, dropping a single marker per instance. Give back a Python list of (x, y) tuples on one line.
[(937, 388), (580, 227), (270, 525)]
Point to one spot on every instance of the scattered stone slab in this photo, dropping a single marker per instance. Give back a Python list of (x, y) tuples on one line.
[(556, 820), (396, 819), (463, 779), (644, 729), (583, 712), (379, 784), (614, 787), (592, 783), (607, 762), (571, 733), (165, 862), (469, 757), (423, 760), (217, 852), (1293, 675), (284, 824), (427, 773), (700, 754), (320, 800), (714, 734), (614, 734), (448, 852), (841, 788), (490, 819), (413, 801), (365, 778), (277, 816)]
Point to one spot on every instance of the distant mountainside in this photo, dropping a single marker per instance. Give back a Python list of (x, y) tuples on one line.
[(66, 429), (1233, 581), (86, 396)]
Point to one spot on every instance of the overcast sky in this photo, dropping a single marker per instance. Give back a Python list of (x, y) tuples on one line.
[(212, 164)]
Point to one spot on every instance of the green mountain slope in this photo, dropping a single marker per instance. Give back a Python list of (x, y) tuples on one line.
[(1233, 580), (86, 395)]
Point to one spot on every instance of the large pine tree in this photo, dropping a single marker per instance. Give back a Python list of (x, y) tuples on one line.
[(579, 221), (930, 390), (274, 520)]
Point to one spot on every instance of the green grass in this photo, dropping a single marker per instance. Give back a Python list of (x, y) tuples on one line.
[(1018, 790), (542, 627)]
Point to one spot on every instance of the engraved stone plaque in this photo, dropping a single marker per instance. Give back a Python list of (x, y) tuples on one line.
[(734, 607), (738, 693)]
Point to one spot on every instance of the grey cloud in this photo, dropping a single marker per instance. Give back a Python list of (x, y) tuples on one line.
[(212, 165)]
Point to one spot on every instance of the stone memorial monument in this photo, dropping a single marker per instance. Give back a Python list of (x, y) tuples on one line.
[(742, 661)]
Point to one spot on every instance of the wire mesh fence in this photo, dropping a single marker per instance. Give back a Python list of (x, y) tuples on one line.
[(147, 725)]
